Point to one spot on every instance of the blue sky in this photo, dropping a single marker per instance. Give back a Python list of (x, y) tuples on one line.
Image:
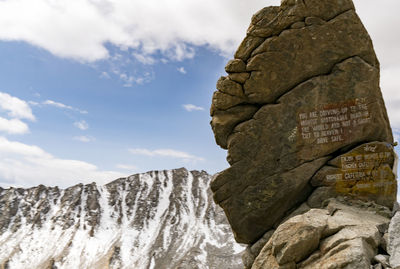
[(91, 90)]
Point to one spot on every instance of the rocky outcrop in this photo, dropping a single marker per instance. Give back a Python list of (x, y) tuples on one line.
[(302, 90), (344, 234), (160, 219), (303, 119)]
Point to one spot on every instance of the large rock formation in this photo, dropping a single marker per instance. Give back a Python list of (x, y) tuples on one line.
[(303, 118), (160, 219)]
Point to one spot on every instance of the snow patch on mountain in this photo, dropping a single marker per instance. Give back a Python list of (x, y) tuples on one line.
[(159, 219)]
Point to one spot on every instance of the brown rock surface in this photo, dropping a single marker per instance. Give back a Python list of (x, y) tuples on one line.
[(363, 172), (302, 92), (338, 236)]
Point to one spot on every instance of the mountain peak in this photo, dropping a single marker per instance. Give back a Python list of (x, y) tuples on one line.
[(159, 219)]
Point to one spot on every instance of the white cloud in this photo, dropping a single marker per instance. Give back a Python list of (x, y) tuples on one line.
[(130, 80), (182, 70), (83, 125), (15, 107), (105, 75), (139, 151), (80, 29), (191, 107), (84, 138), (127, 167), (33, 103), (170, 153), (29, 165), (62, 106), (144, 59), (83, 29), (390, 84), (382, 23), (13, 126), (56, 104)]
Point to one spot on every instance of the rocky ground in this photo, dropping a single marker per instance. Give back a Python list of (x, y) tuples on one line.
[(343, 234)]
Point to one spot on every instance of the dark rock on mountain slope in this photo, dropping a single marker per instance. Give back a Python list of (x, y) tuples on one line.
[(160, 219), (303, 118)]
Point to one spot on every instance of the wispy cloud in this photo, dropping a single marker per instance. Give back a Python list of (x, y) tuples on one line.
[(144, 59), (130, 68), (83, 125), (84, 138), (29, 165), (33, 103), (130, 80), (191, 107), (127, 167), (169, 153), (105, 75), (181, 70), (63, 106)]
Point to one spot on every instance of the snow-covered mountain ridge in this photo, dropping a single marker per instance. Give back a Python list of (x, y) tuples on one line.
[(159, 219)]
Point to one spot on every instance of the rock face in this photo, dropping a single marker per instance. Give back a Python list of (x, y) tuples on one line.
[(160, 219), (312, 178), (302, 116)]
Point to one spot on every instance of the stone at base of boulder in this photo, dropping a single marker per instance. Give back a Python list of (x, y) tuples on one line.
[(248, 258), (396, 207), (319, 195), (252, 251), (338, 236), (303, 208), (383, 260), (354, 254), (393, 247)]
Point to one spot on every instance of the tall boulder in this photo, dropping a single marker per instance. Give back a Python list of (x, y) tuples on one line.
[(302, 117)]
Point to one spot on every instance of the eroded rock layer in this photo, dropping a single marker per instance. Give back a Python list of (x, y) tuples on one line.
[(302, 116)]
